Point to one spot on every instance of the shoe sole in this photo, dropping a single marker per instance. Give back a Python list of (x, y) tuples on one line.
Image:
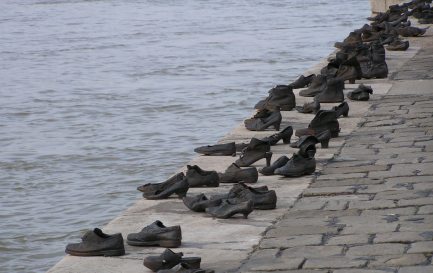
[(299, 174), (162, 243), (106, 253), (265, 207)]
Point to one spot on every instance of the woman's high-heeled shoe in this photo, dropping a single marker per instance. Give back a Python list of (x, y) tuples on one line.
[(342, 109), (229, 208), (285, 135), (180, 188), (256, 150), (200, 202), (262, 124), (323, 138)]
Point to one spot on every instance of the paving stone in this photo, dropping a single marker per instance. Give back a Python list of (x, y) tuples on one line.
[(407, 226), (361, 271), (421, 247), (333, 262), (398, 237), (300, 230), (342, 176), (374, 204), (369, 228), (311, 251), (336, 205), (426, 209), (277, 264), (356, 169), (345, 182), (291, 241), (319, 213), (309, 204), (416, 202), (398, 260), (416, 269), (397, 195), (328, 191), (376, 250), (396, 211), (348, 239), (423, 186), (399, 150)]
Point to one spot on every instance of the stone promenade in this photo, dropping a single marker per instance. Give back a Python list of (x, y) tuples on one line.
[(370, 209)]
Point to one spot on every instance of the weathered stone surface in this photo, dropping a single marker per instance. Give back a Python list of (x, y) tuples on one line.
[(333, 262), (396, 211), (311, 251), (416, 269), (374, 204), (277, 264), (369, 228), (416, 202), (421, 247), (348, 239), (397, 237), (328, 191), (376, 250), (426, 209), (291, 241), (398, 260), (361, 271), (299, 230)]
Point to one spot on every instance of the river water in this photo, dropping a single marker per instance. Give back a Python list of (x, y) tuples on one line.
[(97, 97)]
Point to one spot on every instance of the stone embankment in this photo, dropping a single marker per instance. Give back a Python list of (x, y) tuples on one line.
[(368, 208)]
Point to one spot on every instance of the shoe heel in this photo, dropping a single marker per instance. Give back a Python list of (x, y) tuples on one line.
[(324, 143), (286, 140), (346, 114), (352, 81), (182, 192), (245, 214), (277, 126), (268, 156)]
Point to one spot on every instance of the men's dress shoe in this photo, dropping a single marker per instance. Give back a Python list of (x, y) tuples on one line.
[(97, 243), (200, 202), (218, 149), (179, 187), (262, 199), (341, 110), (153, 187), (235, 174), (228, 209), (362, 93), (197, 177), (302, 81), (298, 166), (280, 162), (156, 234), (169, 259), (285, 135)]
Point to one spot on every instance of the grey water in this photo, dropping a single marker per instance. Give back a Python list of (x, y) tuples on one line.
[(99, 97)]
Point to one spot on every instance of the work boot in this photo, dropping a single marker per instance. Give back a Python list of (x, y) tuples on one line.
[(315, 87), (377, 67), (311, 107), (234, 174), (269, 170), (97, 243), (261, 124), (332, 93), (256, 150), (362, 93), (324, 120), (285, 135), (302, 81), (281, 98), (298, 165), (197, 177)]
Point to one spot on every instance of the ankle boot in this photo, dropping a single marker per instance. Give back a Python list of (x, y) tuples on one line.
[(333, 91), (298, 166), (228, 208), (179, 187), (234, 174), (341, 110), (302, 81), (285, 135), (362, 93), (411, 31), (281, 98), (256, 150), (262, 124), (200, 203), (280, 162), (315, 87), (322, 137), (200, 178), (324, 120), (218, 149), (311, 107), (377, 67)]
